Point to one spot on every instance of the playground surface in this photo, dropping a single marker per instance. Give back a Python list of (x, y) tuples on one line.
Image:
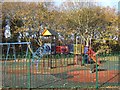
[(63, 76)]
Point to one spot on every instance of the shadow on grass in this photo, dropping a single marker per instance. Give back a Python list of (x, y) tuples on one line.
[(102, 69), (109, 80), (103, 61)]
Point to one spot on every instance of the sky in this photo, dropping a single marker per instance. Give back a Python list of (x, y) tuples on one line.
[(111, 3), (58, 2)]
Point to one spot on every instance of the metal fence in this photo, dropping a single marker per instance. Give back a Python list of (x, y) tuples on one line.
[(60, 71)]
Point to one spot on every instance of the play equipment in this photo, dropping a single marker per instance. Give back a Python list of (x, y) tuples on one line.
[(39, 53), (62, 49), (47, 48), (83, 52), (86, 58), (12, 46), (42, 50), (51, 34), (27, 35), (78, 50), (92, 55), (70, 48)]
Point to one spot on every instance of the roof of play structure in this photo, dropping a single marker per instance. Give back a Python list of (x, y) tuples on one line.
[(49, 32)]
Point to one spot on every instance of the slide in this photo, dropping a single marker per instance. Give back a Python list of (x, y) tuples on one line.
[(42, 50), (92, 55)]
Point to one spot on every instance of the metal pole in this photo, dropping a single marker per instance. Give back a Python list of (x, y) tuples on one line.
[(96, 72), (29, 71), (13, 46), (76, 45), (8, 48)]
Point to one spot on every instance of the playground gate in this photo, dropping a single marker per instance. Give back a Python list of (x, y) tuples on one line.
[(57, 71)]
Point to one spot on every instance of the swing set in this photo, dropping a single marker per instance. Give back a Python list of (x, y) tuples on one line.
[(12, 46)]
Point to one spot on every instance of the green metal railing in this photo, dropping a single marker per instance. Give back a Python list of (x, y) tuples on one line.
[(60, 71)]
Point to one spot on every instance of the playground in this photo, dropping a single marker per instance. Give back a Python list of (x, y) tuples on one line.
[(77, 53), (50, 67)]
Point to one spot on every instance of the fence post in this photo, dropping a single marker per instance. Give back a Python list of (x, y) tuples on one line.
[(96, 72), (29, 70)]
